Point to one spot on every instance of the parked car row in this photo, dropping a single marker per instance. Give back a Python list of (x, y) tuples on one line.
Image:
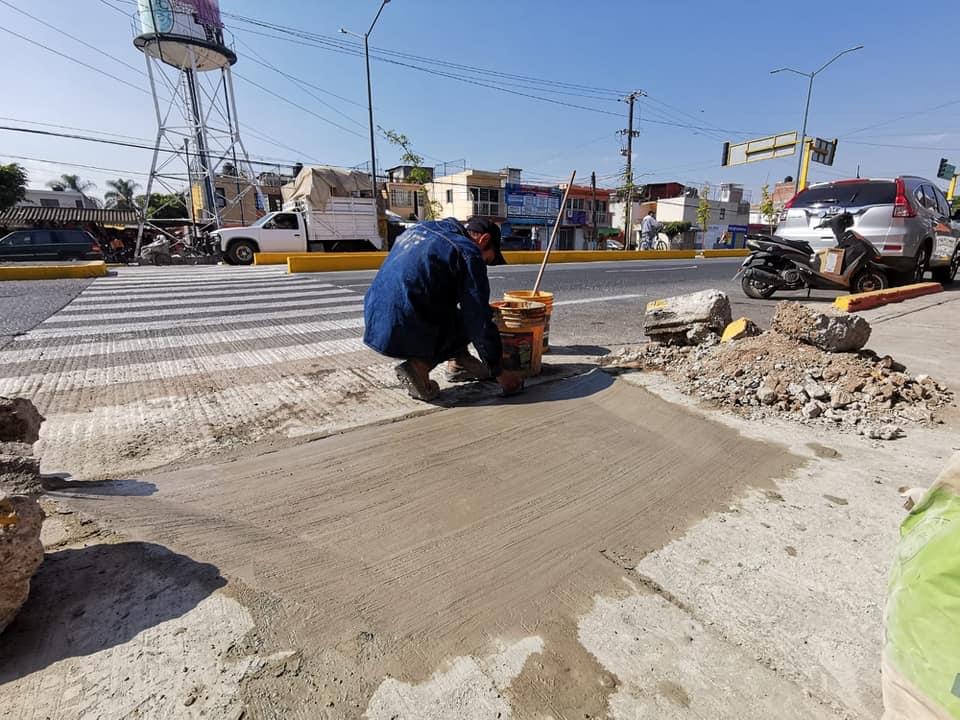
[(40, 245)]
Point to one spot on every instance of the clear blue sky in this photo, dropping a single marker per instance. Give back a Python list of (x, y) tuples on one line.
[(702, 63)]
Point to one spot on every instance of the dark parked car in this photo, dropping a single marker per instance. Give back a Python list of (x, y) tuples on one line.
[(50, 245)]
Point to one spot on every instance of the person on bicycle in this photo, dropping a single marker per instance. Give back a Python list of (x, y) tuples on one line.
[(649, 229)]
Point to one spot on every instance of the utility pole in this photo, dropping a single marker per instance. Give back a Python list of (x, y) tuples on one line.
[(593, 186), (631, 134)]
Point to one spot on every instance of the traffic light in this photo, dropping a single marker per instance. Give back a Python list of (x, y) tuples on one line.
[(942, 170)]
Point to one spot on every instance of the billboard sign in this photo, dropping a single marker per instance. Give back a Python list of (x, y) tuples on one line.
[(766, 148), (532, 201)]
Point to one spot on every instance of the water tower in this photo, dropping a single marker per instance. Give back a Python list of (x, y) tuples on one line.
[(188, 64)]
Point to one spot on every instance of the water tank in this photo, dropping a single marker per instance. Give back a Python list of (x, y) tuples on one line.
[(187, 34)]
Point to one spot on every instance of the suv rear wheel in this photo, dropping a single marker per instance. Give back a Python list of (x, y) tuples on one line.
[(921, 262), (946, 275)]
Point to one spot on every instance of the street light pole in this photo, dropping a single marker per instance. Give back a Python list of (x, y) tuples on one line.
[(373, 149), (806, 110)]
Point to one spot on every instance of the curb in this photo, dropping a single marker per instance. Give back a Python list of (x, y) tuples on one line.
[(333, 262), (868, 300), (93, 269)]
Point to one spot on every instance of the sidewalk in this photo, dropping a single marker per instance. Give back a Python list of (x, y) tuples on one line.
[(594, 548)]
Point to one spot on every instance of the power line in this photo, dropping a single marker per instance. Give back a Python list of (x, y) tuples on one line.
[(71, 59), (72, 37)]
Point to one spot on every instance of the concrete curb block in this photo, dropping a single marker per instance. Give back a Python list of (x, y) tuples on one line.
[(332, 262), (726, 253), (865, 301), (93, 269)]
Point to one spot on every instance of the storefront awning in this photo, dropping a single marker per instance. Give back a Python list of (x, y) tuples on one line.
[(36, 213)]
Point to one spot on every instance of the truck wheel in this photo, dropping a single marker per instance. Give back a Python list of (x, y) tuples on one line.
[(241, 253)]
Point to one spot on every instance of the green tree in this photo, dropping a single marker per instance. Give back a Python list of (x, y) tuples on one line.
[(164, 207), (419, 175), (703, 211), (13, 185), (71, 182), (120, 194), (767, 209)]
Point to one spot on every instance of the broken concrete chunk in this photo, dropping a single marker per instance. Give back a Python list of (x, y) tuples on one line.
[(811, 410), (816, 391), (19, 421), (767, 395), (840, 399), (21, 552), (20, 475), (828, 331), (687, 319), (740, 328)]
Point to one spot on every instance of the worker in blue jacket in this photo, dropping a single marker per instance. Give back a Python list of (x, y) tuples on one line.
[(431, 298)]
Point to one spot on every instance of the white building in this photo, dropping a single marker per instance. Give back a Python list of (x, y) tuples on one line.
[(729, 215), (43, 197)]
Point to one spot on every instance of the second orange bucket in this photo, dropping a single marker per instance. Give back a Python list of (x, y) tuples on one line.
[(541, 297)]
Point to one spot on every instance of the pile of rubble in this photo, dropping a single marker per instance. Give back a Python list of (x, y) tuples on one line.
[(21, 551), (810, 367)]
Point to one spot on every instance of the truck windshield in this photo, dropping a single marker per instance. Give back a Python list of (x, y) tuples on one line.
[(264, 220)]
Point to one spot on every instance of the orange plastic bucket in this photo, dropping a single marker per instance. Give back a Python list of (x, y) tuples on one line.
[(521, 333), (540, 296)]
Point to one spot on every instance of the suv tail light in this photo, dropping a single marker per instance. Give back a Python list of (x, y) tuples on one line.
[(901, 206)]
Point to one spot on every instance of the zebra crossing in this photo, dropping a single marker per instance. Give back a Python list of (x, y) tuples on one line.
[(152, 365), (261, 313)]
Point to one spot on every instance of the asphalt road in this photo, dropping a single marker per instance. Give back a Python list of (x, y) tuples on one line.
[(602, 303), (24, 304), (597, 304)]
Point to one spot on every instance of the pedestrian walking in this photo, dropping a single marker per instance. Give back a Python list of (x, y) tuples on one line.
[(430, 298)]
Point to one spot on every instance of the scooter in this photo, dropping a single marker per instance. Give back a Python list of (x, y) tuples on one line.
[(777, 263)]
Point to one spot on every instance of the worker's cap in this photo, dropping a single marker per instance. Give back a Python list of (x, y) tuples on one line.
[(484, 226)]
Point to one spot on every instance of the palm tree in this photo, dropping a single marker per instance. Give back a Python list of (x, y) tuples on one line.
[(71, 182), (121, 193)]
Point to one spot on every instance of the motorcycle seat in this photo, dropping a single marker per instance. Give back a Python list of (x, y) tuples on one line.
[(801, 245)]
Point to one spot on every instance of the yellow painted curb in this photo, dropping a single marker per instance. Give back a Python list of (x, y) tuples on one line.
[(335, 262), (95, 268), (332, 262), (868, 300), (736, 252)]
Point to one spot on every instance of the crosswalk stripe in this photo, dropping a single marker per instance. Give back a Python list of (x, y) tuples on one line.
[(107, 346), (106, 288), (124, 304), (50, 328), (119, 314), (163, 370), (202, 291)]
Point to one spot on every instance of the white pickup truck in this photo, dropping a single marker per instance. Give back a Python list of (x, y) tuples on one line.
[(345, 224)]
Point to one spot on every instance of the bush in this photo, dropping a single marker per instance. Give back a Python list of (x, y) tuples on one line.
[(672, 229)]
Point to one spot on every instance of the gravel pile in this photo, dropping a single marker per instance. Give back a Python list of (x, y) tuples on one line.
[(774, 375)]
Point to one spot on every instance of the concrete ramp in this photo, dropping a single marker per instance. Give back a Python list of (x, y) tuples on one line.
[(438, 533)]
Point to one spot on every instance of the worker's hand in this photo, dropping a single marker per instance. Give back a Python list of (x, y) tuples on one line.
[(510, 384)]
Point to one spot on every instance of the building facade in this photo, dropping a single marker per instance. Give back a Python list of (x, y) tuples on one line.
[(42, 197), (577, 226), (471, 193), (404, 196), (729, 216)]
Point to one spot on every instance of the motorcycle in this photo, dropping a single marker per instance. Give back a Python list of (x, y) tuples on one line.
[(777, 263), (156, 252)]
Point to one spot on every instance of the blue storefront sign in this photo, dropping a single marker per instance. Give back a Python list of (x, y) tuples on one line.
[(532, 204)]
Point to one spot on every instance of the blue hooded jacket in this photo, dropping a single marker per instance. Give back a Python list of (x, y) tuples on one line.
[(431, 296)]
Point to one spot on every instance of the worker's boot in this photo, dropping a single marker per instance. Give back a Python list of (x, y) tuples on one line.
[(414, 375), (465, 368)]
